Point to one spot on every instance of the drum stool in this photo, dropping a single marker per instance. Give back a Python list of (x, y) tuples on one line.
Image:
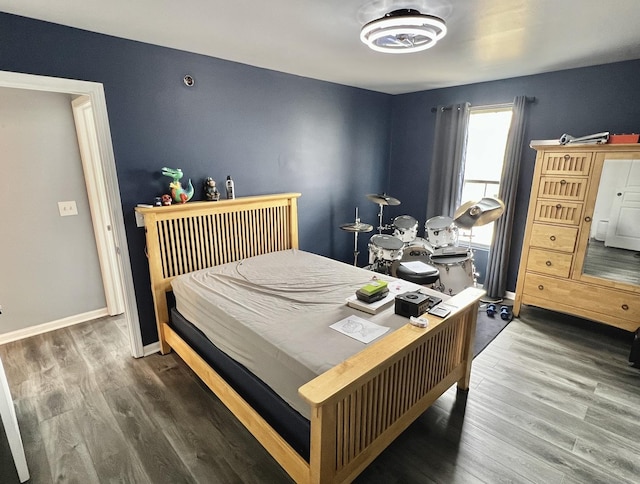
[(423, 278)]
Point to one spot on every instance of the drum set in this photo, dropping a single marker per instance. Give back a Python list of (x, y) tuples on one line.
[(437, 260)]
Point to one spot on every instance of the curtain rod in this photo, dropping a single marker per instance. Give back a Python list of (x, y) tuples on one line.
[(447, 108)]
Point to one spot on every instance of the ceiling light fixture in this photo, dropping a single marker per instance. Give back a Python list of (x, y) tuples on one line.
[(403, 31)]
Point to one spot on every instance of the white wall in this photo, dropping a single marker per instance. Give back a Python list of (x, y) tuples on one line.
[(49, 268)]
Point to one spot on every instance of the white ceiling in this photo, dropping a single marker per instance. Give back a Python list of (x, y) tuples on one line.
[(487, 39)]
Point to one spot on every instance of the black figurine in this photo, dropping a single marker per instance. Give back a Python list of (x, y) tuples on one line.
[(211, 192)]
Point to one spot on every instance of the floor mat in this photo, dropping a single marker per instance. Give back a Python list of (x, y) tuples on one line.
[(488, 327)]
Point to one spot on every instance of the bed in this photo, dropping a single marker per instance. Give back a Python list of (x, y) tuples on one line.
[(348, 411)]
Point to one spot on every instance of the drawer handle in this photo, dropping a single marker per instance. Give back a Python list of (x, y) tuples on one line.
[(566, 157), (625, 307), (552, 238), (541, 287), (563, 182), (559, 206), (587, 219), (548, 263)]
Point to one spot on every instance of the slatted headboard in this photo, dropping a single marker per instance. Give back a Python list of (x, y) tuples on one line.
[(187, 237)]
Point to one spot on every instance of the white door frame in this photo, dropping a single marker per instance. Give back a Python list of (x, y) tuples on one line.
[(104, 168)]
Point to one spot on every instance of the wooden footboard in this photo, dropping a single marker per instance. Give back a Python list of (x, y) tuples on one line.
[(358, 407)]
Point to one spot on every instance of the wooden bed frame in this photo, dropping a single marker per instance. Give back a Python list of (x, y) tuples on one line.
[(358, 407)]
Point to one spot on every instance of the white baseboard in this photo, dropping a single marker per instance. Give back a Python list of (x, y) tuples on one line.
[(53, 325), (151, 349), (510, 295)]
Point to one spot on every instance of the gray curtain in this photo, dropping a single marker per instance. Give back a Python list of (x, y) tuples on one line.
[(496, 280), (447, 163)]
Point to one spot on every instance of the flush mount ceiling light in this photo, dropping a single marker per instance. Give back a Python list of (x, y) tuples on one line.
[(403, 31)]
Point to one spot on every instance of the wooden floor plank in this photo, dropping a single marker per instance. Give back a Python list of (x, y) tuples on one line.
[(159, 459), (69, 459), (113, 457)]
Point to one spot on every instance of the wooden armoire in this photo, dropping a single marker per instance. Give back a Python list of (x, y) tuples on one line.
[(581, 249)]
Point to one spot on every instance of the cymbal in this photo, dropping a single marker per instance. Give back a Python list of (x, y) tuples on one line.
[(475, 214), (357, 227), (383, 199)]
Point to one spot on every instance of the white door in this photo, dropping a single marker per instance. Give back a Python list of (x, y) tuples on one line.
[(97, 193), (624, 222)]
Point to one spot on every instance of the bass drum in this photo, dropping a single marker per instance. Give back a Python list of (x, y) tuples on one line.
[(405, 228), (441, 232), (456, 273), (384, 247)]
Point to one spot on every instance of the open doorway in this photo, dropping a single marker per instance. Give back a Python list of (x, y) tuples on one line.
[(109, 224)]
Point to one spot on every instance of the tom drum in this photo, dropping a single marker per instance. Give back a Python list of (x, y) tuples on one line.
[(441, 232), (405, 228), (384, 247), (456, 273)]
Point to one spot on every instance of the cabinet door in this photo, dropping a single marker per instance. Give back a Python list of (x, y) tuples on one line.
[(568, 163)]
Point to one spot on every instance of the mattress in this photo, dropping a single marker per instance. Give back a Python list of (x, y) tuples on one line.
[(272, 313)]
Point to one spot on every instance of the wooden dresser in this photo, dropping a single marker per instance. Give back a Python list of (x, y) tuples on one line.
[(554, 272)]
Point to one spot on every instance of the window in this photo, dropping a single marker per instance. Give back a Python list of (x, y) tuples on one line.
[(486, 142)]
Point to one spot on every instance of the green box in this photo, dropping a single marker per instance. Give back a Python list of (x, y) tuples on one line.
[(374, 287)]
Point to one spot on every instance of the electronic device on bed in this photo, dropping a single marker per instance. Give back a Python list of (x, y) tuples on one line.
[(373, 291), (414, 303)]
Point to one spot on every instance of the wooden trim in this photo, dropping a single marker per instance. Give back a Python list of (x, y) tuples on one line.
[(357, 407)]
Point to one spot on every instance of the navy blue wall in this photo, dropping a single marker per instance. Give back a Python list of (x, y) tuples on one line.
[(271, 132), (577, 101)]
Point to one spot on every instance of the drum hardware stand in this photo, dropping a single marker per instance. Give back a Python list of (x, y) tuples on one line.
[(380, 218), (474, 214), (382, 199), (356, 228)]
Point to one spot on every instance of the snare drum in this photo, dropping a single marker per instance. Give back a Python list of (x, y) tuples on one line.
[(456, 273), (405, 228), (384, 247), (441, 232), (420, 251)]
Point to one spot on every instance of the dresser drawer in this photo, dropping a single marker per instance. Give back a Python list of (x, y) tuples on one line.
[(567, 163), (549, 262), (563, 188), (553, 237), (614, 303), (558, 211)]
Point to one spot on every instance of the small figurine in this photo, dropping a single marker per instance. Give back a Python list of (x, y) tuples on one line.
[(211, 192), (180, 195), (158, 202), (166, 199)]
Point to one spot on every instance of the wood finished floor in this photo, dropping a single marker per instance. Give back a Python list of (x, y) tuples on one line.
[(552, 401)]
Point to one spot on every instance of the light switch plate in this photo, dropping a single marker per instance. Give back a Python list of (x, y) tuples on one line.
[(67, 208), (139, 219)]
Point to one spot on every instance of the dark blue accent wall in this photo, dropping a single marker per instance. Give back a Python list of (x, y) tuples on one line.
[(578, 102), (272, 132)]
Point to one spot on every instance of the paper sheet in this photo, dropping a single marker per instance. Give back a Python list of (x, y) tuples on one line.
[(418, 267), (360, 329)]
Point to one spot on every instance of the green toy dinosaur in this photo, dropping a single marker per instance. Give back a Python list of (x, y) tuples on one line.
[(179, 194)]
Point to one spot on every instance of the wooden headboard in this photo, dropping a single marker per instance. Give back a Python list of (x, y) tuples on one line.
[(196, 235)]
